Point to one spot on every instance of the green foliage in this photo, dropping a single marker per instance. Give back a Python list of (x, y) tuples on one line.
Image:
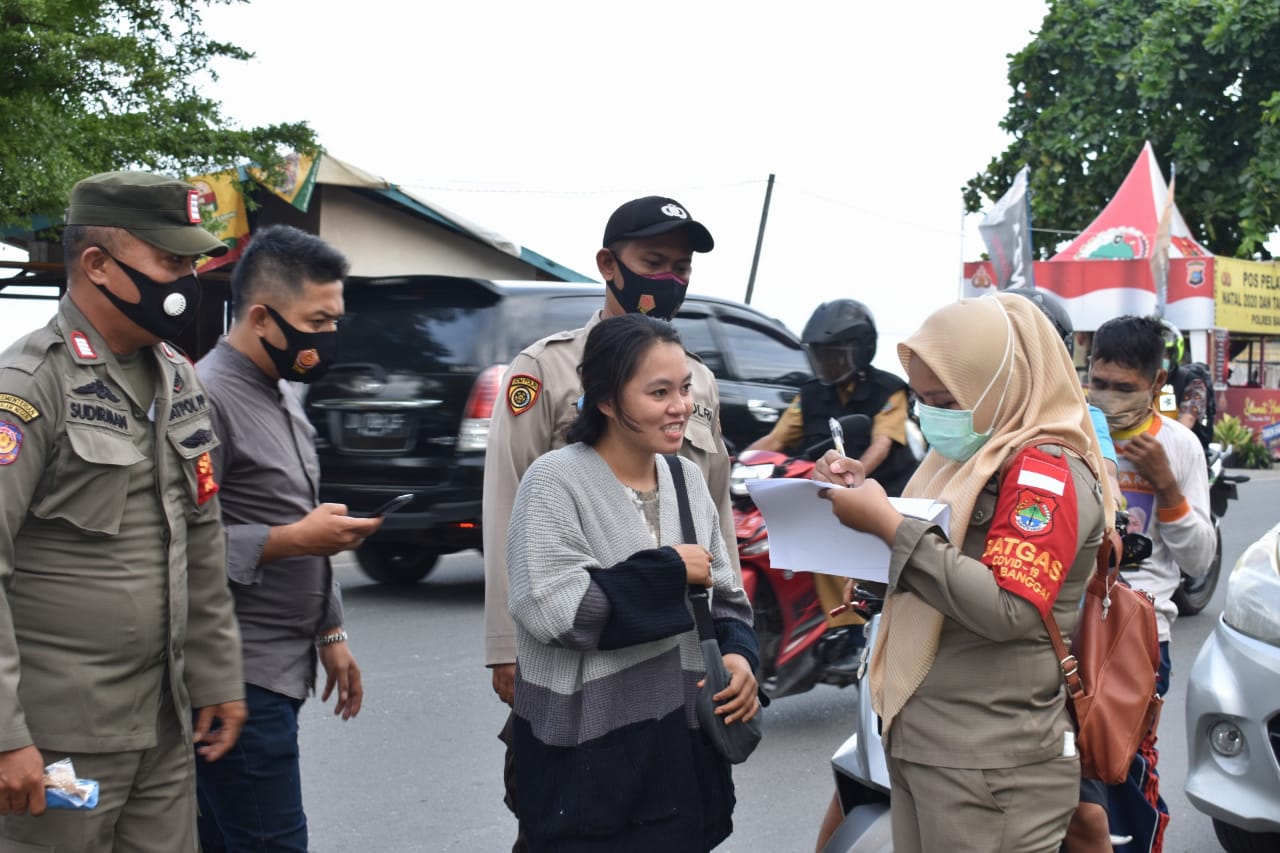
[(1253, 455), (1231, 433), (89, 86), (1200, 79), (1234, 435)]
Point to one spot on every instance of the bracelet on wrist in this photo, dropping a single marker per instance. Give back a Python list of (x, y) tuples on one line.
[(339, 636)]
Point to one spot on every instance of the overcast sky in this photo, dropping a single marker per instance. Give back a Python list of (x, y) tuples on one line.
[(538, 119)]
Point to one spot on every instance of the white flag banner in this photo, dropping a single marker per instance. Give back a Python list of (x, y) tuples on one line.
[(1006, 230), (1160, 253)]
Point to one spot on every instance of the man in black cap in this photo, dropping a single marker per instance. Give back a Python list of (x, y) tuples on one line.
[(646, 259), (115, 617)]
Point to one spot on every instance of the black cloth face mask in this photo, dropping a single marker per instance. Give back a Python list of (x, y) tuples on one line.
[(658, 296), (306, 356), (164, 309)]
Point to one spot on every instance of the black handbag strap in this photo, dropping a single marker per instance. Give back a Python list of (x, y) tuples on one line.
[(697, 594)]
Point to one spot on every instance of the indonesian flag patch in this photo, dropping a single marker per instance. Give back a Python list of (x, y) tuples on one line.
[(206, 485), (1032, 541)]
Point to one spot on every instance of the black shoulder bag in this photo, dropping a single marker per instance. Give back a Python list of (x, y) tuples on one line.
[(735, 741)]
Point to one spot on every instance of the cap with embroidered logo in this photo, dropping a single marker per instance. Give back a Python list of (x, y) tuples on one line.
[(164, 212), (654, 215)]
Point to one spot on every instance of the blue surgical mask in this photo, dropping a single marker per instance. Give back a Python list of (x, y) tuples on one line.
[(950, 431)]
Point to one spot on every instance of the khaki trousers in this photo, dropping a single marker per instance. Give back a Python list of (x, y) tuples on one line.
[(146, 802), (1005, 810)]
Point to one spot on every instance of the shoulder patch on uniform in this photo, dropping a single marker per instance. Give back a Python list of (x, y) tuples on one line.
[(98, 388), (206, 485), (83, 348), (1033, 513), (20, 407), (10, 442), (1043, 475), (522, 393)]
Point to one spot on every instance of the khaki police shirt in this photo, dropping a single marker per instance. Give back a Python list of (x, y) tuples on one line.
[(112, 560), (537, 403)]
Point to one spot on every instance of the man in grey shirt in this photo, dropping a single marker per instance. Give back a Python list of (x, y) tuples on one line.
[(286, 299)]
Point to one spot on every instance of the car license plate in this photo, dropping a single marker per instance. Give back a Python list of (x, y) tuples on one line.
[(375, 424)]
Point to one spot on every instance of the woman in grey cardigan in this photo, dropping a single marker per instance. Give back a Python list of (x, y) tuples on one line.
[(608, 752)]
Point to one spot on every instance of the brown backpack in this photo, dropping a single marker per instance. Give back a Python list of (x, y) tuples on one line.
[(1110, 671)]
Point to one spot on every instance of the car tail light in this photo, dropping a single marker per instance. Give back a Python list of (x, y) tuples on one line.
[(474, 432)]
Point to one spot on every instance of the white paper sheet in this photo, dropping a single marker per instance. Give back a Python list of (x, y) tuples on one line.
[(805, 536)]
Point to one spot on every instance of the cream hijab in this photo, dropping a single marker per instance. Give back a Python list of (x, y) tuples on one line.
[(1005, 346)]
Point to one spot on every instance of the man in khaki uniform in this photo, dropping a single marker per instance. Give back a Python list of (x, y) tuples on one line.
[(645, 260), (115, 618)]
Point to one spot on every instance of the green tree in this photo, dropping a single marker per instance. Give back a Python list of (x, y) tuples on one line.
[(89, 86), (1200, 79)]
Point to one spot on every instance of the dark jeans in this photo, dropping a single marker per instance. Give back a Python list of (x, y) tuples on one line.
[(251, 798)]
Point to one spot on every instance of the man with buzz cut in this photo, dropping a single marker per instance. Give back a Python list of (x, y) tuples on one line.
[(646, 258), (286, 295), (115, 619)]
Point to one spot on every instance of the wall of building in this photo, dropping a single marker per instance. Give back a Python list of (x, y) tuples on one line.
[(382, 240)]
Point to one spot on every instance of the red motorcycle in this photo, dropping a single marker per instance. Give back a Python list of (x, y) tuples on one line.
[(797, 650)]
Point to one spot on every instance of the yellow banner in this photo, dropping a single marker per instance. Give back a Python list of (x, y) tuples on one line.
[(298, 181), (1246, 295), (223, 212)]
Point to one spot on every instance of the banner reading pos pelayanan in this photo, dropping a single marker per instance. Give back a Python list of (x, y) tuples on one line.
[(1246, 295)]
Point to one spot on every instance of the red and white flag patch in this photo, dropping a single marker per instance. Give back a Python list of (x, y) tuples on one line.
[(1044, 477)]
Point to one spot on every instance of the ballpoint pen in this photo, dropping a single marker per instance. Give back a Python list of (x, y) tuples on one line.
[(837, 434)]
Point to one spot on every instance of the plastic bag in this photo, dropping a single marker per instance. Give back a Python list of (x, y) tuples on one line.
[(62, 790)]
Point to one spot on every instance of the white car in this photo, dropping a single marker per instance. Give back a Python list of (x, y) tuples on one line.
[(1233, 708)]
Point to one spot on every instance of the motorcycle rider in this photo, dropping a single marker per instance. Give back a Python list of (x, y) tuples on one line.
[(840, 340), (1162, 475), (1187, 395)]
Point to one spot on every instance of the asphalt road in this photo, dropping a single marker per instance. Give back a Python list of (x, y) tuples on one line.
[(420, 768)]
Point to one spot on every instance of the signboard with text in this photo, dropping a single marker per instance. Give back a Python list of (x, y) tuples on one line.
[(1246, 295)]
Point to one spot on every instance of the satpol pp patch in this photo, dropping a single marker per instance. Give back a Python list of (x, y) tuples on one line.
[(10, 442), (522, 393), (20, 407)]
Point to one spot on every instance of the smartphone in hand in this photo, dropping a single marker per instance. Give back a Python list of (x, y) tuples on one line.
[(393, 505)]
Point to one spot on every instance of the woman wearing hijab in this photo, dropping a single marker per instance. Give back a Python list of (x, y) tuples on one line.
[(979, 743), (609, 755)]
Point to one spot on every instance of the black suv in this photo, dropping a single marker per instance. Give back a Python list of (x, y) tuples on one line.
[(406, 409)]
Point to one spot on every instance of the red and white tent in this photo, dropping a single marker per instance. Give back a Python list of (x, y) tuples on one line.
[(1126, 228), (1106, 270)]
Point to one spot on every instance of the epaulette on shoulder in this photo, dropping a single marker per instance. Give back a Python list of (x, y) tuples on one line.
[(535, 349), (174, 353)]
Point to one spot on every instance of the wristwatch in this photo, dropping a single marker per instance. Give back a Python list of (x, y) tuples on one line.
[(339, 636)]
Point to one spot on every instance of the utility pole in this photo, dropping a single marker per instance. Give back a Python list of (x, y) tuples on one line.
[(755, 260)]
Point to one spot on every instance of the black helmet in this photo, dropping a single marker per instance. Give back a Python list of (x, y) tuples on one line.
[(840, 339), (1051, 305)]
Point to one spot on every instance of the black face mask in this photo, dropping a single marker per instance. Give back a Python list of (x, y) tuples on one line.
[(164, 309), (306, 355), (658, 296)]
